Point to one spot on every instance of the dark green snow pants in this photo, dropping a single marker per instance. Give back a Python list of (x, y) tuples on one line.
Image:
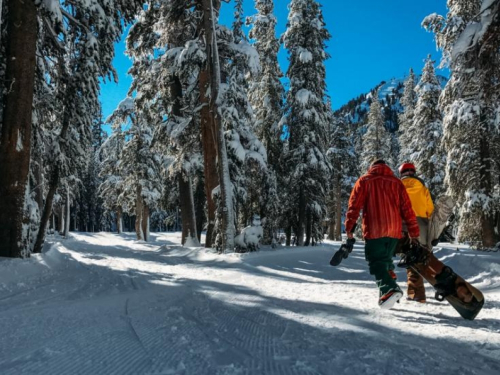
[(378, 253)]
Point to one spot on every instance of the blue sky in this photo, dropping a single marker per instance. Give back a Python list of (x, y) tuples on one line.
[(371, 41)]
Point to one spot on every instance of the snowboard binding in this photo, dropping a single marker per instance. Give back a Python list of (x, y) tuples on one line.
[(343, 252), (413, 254), (445, 284)]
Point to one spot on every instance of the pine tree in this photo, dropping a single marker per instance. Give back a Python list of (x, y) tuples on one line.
[(111, 186), (246, 154), (163, 41), (266, 96), (138, 166), (376, 140), (408, 101), (343, 159), (469, 37), (425, 135), (85, 29), (305, 118)]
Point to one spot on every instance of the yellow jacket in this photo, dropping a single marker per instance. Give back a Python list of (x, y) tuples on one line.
[(420, 198)]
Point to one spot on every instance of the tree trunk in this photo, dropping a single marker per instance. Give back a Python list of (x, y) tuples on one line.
[(119, 220), (200, 207), (333, 216), (15, 137), (308, 227), (208, 133), (288, 233), (338, 213), (47, 210), (489, 237), (302, 217), (213, 67), (145, 222), (186, 198), (139, 208), (187, 210), (61, 219), (67, 213)]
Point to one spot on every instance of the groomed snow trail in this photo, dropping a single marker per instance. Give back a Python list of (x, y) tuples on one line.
[(106, 304)]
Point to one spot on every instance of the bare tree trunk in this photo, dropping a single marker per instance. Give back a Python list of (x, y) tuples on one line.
[(338, 213), (200, 207), (119, 220), (302, 218), (187, 210), (61, 219), (138, 213), (145, 222), (333, 215), (67, 213), (308, 227), (15, 136), (288, 233)]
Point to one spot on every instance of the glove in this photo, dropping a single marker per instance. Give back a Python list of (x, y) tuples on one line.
[(414, 242)]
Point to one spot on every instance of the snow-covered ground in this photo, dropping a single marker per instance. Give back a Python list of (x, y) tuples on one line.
[(105, 304)]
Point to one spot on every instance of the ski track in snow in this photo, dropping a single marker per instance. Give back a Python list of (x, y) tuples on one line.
[(105, 304)]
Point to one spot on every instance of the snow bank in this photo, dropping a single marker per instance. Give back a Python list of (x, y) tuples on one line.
[(21, 271)]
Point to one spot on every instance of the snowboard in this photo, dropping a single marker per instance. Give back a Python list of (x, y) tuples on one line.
[(343, 252), (465, 298)]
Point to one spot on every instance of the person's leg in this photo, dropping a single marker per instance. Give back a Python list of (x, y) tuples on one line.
[(416, 289), (378, 253)]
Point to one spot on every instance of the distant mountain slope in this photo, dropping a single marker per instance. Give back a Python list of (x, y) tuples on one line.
[(356, 110)]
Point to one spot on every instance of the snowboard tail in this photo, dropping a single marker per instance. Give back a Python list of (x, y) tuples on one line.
[(465, 298)]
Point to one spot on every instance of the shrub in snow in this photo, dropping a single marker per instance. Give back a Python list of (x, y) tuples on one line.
[(249, 238)]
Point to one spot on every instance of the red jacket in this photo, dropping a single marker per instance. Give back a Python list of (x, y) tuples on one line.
[(385, 204)]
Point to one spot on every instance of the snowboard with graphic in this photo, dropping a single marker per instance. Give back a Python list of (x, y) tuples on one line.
[(465, 298)]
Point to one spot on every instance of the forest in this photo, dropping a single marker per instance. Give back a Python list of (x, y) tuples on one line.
[(215, 138)]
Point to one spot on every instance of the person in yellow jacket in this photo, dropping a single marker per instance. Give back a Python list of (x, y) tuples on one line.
[(423, 207)]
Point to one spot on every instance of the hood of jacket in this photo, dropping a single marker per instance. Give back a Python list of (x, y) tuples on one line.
[(380, 170)]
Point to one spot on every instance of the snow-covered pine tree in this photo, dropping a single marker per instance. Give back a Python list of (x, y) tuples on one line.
[(469, 37), (376, 140), (95, 26), (342, 156), (425, 135), (216, 167), (408, 101), (167, 61), (306, 115), (266, 95), (89, 204), (246, 154), (111, 186), (138, 165)]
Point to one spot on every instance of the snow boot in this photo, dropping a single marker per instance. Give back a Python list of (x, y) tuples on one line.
[(414, 299), (445, 283), (388, 300)]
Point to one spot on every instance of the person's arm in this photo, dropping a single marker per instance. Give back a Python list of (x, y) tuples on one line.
[(429, 204), (408, 214), (356, 203)]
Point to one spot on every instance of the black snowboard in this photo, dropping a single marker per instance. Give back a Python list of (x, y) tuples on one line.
[(343, 252)]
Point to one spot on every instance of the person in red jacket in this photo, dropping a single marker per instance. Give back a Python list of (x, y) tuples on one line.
[(386, 205)]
